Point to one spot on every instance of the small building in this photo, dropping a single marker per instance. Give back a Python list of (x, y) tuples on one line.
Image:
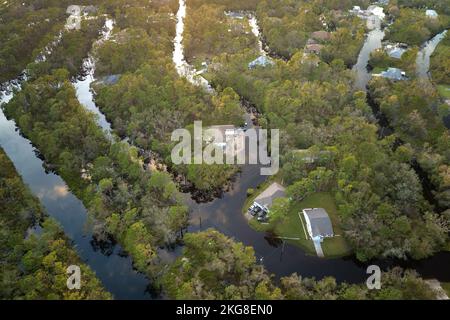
[(395, 51), (265, 200), (313, 48), (261, 61), (89, 10), (431, 14), (318, 223), (235, 14), (73, 10), (109, 80), (394, 74), (376, 11)]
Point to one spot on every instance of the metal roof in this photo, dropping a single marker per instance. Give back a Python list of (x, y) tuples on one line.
[(320, 222), (267, 197)]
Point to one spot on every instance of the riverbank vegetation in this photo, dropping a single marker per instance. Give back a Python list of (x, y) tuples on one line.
[(440, 64), (366, 180), (379, 197), (27, 27), (413, 27), (412, 108), (287, 26), (215, 267), (34, 250), (150, 100), (139, 208)]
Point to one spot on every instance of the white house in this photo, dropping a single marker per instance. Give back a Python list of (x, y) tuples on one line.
[(376, 11), (318, 223), (431, 14)]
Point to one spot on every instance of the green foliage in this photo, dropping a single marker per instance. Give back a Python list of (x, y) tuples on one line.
[(414, 27), (215, 267), (397, 285), (34, 267), (440, 62)]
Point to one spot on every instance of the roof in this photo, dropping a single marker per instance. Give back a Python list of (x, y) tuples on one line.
[(396, 52), (73, 10), (267, 197), (313, 48), (260, 61), (111, 79), (431, 13), (377, 11), (320, 35), (393, 74), (320, 222)]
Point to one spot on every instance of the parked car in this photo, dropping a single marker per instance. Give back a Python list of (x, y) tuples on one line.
[(263, 218), (254, 208)]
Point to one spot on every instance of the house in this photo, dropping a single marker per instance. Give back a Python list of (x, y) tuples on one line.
[(89, 10), (313, 48), (318, 223), (235, 15), (261, 61), (395, 51), (265, 200), (431, 14), (393, 74), (376, 11), (73, 10), (109, 80)]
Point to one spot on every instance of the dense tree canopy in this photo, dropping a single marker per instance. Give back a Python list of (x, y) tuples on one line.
[(33, 265)]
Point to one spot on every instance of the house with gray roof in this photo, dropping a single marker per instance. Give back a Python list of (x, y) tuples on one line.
[(393, 74), (261, 61), (431, 14), (318, 223), (395, 52), (266, 198)]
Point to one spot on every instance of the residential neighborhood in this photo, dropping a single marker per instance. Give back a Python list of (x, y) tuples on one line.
[(261, 151)]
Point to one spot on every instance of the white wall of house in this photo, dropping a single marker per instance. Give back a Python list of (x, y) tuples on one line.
[(308, 224)]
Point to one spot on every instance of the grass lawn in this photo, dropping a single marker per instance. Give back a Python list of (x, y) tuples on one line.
[(291, 227), (444, 90), (378, 70), (446, 287)]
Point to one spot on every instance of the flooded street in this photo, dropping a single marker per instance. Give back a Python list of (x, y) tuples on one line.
[(83, 86), (424, 55), (372, 43), (115, 270), (112, 267)]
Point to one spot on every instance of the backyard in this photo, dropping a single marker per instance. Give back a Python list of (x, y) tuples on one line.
[(292, 231)]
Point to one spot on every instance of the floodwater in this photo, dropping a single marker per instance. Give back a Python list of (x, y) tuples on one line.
[(424, 55), (372, 43), (113, 268), (224, 214)]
